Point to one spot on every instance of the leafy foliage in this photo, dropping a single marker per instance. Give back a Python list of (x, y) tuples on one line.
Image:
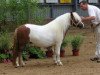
[(5, 41), (17, 12), (5, 45), (33, 52), (66, 41), (37, 52), (3, 56), (25, 55), (76, 42)]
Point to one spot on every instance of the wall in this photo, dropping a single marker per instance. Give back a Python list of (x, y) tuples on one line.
[(57, 9)]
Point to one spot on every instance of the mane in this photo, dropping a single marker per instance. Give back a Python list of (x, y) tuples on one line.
[(77, 17), (62, 19), (62, 23)]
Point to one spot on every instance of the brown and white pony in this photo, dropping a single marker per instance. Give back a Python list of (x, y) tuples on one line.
[(49, 35)]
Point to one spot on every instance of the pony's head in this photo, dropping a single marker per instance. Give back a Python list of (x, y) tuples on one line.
[(76, 20)]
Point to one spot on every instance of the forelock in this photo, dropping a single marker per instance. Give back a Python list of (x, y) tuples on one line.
[(77, 17)]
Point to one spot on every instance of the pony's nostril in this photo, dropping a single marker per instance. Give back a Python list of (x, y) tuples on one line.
[(80, 26)]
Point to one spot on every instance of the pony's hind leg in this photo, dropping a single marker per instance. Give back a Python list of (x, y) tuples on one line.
[(15, 59), (17, 62), (21, 62)]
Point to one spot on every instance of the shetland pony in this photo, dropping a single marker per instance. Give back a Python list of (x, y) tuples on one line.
[(48, 35)]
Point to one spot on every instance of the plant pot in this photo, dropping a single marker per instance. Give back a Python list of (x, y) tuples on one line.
[(49, 53), (3, 61), (75, 52), (62, 53)]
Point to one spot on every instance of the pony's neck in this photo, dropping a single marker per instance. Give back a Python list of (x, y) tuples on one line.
[(64, 22)]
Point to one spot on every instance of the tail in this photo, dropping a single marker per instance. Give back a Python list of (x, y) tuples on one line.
[(15, 47), (15, 43)]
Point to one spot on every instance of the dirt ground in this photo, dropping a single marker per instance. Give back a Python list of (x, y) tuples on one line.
[(72, 65)]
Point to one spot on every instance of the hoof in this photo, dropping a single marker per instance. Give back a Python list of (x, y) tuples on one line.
[(98, 61), (23, 66), (59, 64), (94, 59), (17, 66)]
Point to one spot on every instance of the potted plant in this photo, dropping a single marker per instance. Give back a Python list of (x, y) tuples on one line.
[(49, 52), (5, 46), (65, 42), (76, 43), (5, 58), (63, 45), (67, 39)]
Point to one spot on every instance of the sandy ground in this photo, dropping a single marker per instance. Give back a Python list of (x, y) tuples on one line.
[(72, 65)]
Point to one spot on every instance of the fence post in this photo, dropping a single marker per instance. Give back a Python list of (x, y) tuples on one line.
[(75, 5), (51, 11)]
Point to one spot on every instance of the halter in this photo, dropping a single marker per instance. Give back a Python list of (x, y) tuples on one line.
[(76, 24), (73, 20)]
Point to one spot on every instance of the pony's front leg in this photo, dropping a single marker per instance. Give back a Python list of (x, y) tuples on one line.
[(55, 57), (21, 62), (57, 52), (15, 59)]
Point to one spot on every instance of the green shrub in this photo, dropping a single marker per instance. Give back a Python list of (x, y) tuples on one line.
[(5, 45), (66, 41), (25, 55), (36, 52), (5, 41), (3, 56), (17, 12), (33, 52), (76, 42)]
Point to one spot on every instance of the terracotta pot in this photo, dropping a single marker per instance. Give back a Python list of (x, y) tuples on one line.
[(49, 53), (75, 52), (2, 60), (62, 53)]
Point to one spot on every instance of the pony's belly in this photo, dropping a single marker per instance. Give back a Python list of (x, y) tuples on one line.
[(42, 39), (42, 43)]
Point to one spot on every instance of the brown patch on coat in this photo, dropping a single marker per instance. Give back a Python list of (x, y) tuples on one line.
[(21, 38)]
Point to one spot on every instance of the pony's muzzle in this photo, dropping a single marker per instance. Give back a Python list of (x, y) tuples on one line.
[(80, 25)]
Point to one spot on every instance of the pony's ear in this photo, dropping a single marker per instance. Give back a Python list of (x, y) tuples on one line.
[(72, 16), (71, 13)]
